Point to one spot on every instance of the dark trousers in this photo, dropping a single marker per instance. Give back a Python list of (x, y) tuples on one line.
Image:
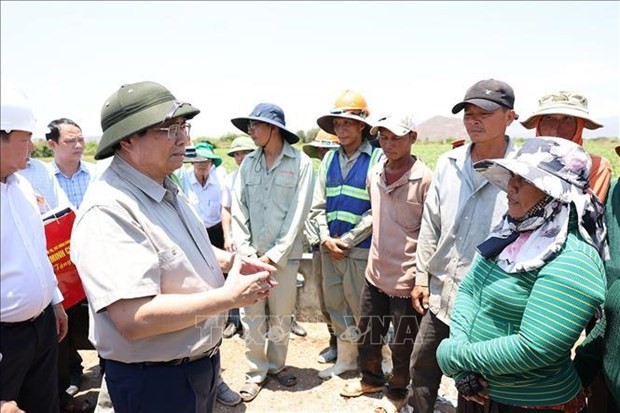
[(186, 388), (29, 365), (234, 317), (216, 235), (69, 360), (425, 371), (378, 310)]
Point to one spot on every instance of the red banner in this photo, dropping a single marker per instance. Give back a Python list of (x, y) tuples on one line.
[(58, 235)]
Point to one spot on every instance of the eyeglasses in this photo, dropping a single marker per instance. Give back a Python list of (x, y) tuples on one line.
[(177, 130), (253, 124)]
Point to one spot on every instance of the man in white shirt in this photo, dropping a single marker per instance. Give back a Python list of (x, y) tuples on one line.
[(32, 319), (203, 184)]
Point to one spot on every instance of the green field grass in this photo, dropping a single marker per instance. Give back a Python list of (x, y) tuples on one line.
[(429, 152)]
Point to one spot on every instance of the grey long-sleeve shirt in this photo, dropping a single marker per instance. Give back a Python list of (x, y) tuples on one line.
[(269, 207), (458, 215)]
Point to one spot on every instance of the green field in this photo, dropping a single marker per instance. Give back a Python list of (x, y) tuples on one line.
[(429, 152)]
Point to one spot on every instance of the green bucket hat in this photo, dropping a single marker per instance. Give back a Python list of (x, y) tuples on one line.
[(135, 107), (200, 153), (241, 143)]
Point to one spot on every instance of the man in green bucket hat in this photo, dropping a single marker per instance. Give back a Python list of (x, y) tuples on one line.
[(202, 182)]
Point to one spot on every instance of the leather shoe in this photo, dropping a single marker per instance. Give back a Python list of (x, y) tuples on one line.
[(226, 396), (298, 330)]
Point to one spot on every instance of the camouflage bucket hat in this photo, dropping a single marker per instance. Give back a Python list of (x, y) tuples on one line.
[(135, 107), (562, 103), (558, 167)]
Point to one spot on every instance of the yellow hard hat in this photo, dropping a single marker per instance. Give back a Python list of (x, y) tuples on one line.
[(351, 101), (349, 105)]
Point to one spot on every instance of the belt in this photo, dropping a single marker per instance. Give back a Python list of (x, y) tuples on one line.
[(30, 320), (185, 360)]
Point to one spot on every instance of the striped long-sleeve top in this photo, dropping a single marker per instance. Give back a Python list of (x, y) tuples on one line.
[(518, 329)]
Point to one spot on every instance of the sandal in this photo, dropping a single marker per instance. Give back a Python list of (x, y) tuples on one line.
[(250, 390), (387, 405), (284, 378), (358, 388)]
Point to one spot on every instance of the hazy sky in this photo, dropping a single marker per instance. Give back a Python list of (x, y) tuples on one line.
[(224, 57)]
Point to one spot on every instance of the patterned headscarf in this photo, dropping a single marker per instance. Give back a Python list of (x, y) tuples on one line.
[(560, 169)]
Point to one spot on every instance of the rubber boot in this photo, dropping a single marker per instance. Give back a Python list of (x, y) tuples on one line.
[(346, 361), (329, 354)]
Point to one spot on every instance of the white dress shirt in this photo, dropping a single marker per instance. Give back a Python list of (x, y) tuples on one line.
[(28, 283), (228, 187), (207, 199)]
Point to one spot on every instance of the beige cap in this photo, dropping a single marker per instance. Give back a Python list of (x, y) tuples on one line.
[(562, 103), (398, 125)]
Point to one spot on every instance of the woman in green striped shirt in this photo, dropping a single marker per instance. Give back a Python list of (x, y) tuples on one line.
[(533, 286)]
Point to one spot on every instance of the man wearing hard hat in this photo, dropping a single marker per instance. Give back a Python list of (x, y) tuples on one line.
[(342, 212), (32, 319)]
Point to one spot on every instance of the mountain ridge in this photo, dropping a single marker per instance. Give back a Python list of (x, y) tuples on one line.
[(438, 128)]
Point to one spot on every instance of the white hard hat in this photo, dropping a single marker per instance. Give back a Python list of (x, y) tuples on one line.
[(16, 110)]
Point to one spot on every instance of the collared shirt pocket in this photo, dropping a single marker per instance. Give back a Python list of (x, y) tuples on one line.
[(408, 215), (284, 186), (177, 276)]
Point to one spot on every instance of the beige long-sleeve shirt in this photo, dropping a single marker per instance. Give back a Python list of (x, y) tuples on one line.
[(396, 218)]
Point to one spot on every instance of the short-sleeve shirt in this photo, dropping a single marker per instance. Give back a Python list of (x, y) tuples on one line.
[(135, 238)]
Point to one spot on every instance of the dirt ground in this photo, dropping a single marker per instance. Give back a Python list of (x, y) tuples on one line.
[(311, 394)]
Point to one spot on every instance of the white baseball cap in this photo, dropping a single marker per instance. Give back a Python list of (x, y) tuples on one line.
[(398, 125)]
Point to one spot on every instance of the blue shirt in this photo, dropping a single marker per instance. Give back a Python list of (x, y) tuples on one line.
[(47, 190), (75, 186)]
